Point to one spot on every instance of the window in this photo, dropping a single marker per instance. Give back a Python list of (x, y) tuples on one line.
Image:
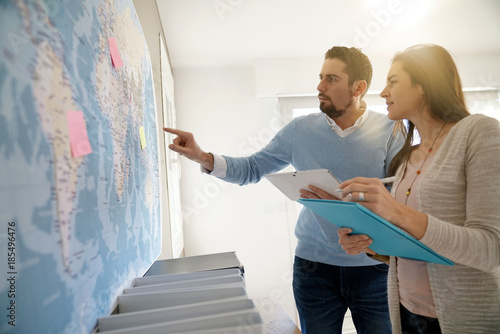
[(480, 100), (484, 101)]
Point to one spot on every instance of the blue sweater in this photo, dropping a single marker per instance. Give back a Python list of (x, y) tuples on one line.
[(308, 142)]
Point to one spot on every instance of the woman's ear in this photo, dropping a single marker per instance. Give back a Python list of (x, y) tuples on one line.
[(359, 87)]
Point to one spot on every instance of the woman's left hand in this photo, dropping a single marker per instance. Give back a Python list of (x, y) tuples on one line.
[(354, 244)]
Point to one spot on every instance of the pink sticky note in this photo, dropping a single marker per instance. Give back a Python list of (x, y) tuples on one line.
[(115, 53), (78, 138)]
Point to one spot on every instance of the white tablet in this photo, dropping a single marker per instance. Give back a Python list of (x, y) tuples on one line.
[(290, 183)]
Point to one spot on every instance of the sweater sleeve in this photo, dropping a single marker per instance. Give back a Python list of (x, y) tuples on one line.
[(474, 242), (273, 157)]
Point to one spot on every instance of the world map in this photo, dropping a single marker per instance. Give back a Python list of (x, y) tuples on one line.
[(75, 229)]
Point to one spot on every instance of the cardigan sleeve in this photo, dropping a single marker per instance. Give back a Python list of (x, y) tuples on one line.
[(474, 242)]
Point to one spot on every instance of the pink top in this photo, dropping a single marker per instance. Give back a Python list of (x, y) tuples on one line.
[(413, 280)]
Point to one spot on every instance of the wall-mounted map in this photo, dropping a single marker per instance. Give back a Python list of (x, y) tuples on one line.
[(79, 187)]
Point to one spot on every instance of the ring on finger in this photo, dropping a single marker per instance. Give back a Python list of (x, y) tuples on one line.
[(361, 196)]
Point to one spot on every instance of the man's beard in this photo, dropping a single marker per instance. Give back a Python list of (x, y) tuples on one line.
[(332, 112)]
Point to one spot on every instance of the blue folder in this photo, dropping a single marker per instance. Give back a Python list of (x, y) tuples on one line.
[(387, 238)]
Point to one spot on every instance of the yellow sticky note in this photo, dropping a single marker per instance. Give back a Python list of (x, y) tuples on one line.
[(143, 137)]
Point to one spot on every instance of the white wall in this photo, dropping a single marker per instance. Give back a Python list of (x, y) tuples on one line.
[(300, 75), (230, 112), (220, 108)]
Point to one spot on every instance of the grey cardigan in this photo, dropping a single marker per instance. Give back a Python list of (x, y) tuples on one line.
[(460, 193)]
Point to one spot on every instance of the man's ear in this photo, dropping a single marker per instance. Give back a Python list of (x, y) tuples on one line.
[(359, 87)]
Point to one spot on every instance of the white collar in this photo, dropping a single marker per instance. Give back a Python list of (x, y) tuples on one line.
[(344, 133)]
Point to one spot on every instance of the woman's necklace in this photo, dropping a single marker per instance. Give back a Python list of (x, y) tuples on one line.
[(408, 192)]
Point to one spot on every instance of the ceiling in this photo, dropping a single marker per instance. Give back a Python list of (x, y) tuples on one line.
[(220, 33)]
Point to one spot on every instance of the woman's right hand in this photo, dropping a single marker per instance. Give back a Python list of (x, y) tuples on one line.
[(354, 244)]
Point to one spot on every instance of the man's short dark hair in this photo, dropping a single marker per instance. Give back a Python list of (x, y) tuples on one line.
[(358, 66)]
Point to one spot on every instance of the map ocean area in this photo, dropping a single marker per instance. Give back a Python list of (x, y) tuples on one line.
[(85, 225)]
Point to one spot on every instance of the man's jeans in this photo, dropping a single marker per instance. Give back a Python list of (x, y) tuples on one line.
[(324, 292)]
